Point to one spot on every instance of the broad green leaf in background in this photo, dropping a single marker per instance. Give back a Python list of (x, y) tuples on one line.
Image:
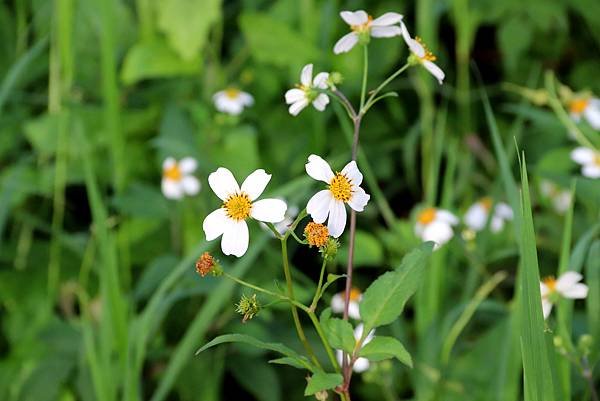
[(368, 250), (340, 334), (322, 381), (382, 347)]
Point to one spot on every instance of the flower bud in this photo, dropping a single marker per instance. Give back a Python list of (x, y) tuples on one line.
[(322, 395), (206, 264), (316, 234), (248, 307), (335, 78), (585, 344), (330, 249)]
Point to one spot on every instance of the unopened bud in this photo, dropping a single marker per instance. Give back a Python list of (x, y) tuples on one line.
[(330, 249), (322, 395), (316, 234), (248, 307), (335, 78), (585, 344), (206, 264)]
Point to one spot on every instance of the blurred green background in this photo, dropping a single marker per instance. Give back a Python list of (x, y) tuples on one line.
[(99, 299)]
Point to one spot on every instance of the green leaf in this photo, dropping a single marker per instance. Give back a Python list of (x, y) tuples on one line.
[(340, 334), (331, 278), (322, 381), (286, 360), (368, 250), (592, 273), (384, 300), (187, 22), (381, 347)]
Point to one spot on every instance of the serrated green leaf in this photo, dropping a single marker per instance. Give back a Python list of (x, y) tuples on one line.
[(322, 381), (340, 334), (384, 300), (381, 347)]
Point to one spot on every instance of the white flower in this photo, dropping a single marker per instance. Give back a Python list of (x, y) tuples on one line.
[(566, 286), (232, 101), (589, 108), (361, 364), (283, 225), (435, 225), (238, 205), (589, 159), (422, 55), (343, 187), (337, 303), (177, 179), (476, 216), (363, 25), (308, 91), (561, 199)]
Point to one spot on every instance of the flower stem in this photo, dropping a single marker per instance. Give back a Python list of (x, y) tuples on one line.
[(317, 324), (389, 79), (363, 91), (317, 296)]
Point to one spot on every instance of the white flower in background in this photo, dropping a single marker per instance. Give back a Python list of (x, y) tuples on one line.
[(232, 101), (421, 55), (435, 225), (177, 178), (342, 187), (307, 91), (337, 303), (588, 108), (363, 27), (566, 286), (560, 198), (238, 205), (361, 364), (589, 159), (476, 216)]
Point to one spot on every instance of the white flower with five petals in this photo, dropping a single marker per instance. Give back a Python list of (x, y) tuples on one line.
[(477, 215), (239, 205), (587, 107), (232, 101), (338, 303), (435, 225), (361, 364), (364, 26), (177, 178), (589, 159), (343, 187), (421, 55), (307, 91), (566, 286)]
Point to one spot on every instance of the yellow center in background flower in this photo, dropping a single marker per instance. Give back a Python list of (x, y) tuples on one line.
[(550, 282), (429, 56), (355, 294), (341, 188), (486, 202), (238, 206), (173, 173), (578, 106), (362, 27), (232, 93), (426, 216)]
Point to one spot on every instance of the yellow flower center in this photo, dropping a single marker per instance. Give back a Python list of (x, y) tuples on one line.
[(428, 56), (232, 93), (341, 187), (238, 206), (172, 173), (362, 27), (578, 106), (355, 294), (486, 202), (550, 282), (316, 234), (597, 159), (426, 216)]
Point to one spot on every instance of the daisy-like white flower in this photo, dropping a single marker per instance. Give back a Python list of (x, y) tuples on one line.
[(364, 27), (560, 198), (337, 303), (239, 205), (177, 178), (361, 364), (421, 55), (343, 187), (589, 159), (476, 216), (283, 225), (566, 286), (435, 225), (587, 107), (232, 101), (307, 91)]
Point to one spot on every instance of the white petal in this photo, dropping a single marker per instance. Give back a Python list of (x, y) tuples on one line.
[(503, 211), (446, 217), (246, 99), (306, 75), (562, 201), (235, 238), (214, 224), (346, 43), (438, 232), (583, 155), (337, 303), (412, 44), (577, 291), (385, 31), (297, 107), (359, 199), (361, 365), (567, 280), (269, 210), (476, 217), (294, 95), (544, 290), (319, 169), (355, 18), (497, 224), (255, 183), (546, 308), (358, 331), (592, 114), (387, 19), (434, 70), (337, 218), (188, 165), (351, 171), (190, 184), (419, 228), (591, 171), (353, 310), (405, 34), (223, 183), (321, 101), (318, 206), (171, 189), (320, 80), (339, 355), (168, 163)]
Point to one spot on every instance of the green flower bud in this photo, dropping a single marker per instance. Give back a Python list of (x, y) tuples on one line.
[(248, 307)]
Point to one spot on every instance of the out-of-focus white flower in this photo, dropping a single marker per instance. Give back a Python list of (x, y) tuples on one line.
[(363, 27), (337, 303), (232, 101), (586, 107), (476, 216), (238, 205), (435, 225), (361, 364), (177, 178), (589, 160), (421, 55), (343, 187), (560, 198), (566, 286), (307, 91)]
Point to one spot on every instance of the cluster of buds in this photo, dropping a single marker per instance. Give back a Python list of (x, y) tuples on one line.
[(318, 235), (207, 264), (248, 307)]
